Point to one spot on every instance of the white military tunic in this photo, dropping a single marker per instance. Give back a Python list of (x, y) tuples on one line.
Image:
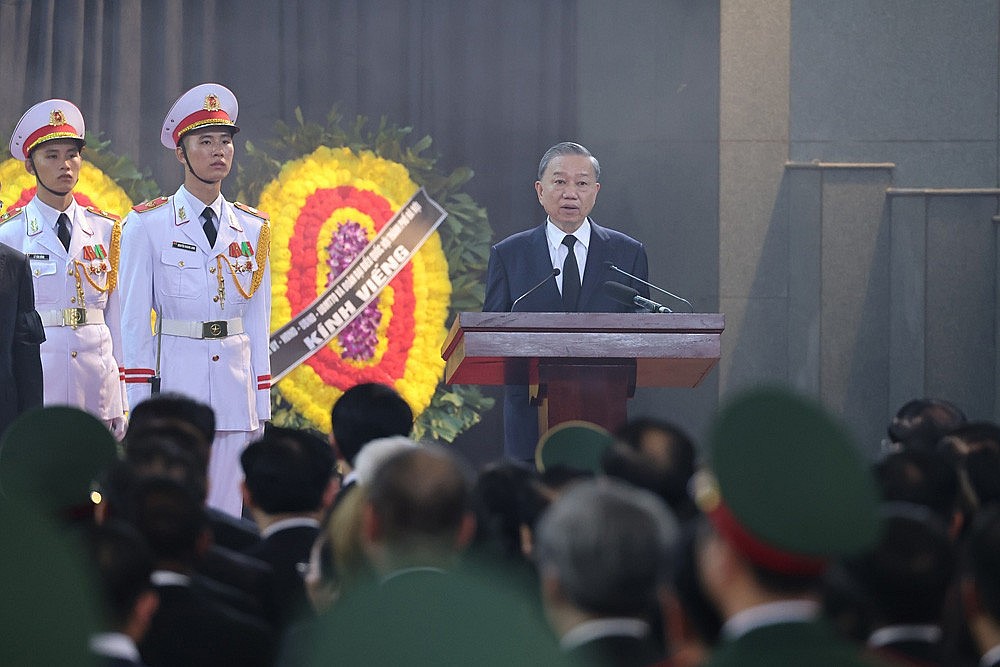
[(81, 364), (169, 267)]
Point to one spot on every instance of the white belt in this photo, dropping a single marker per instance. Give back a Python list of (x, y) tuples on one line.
[(192, 329), (71, 317)]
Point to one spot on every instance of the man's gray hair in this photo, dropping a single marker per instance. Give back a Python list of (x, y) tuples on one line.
[(567, 148), (609, 545)]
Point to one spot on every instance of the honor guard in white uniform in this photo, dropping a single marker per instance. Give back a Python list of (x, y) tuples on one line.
[(200, 263), (73, 251)]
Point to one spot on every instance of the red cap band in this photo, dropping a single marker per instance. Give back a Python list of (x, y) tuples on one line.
[(764, 555), (201, 118), (47, 133)]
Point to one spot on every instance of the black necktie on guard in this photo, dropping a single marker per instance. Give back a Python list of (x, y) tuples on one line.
[(62, 230), (571, 276), (208, 215)]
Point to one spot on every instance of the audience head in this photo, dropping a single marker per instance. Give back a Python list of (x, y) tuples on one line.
[(603, 547), (920, 423), (974, 450), (820, 502), (365, 412), (288, 471), (418, 509), (508, 501), (172, 406), (908, 572), (171, 519), (375, 453), (656, 455), (920, 477)]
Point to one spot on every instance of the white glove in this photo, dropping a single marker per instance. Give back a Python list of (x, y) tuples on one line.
[(118, 427)]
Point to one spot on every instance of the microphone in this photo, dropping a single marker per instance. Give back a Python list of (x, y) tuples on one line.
[(631, 297), (555, 272), (611, 266)]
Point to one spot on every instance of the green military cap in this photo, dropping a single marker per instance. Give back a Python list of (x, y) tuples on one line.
[(53, 456), (786, 484), (50, 604), (574, 444)]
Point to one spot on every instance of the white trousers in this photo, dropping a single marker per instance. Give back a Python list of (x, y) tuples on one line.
[(225, 475)]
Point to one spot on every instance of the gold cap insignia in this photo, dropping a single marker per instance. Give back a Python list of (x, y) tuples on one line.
[(57, 117), (706, 491), (212, 102)]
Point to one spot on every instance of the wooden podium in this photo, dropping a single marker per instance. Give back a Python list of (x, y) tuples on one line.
[(582, 365)]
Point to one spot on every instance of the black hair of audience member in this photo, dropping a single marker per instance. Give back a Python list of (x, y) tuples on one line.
[(123, 563), (180, 434), (921, 477), (974, 450), (920, 423), (170, 518), (971, 437), (505, 497), (174, 406), (631, 465), (676, 453), (699, 611), (288, 470), (981, 470), (365, 412), (908, 573), (160, 452)]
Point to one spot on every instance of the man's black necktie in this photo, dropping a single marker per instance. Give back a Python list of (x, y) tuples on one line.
[(63, 230), (208, 215), (571, 276)]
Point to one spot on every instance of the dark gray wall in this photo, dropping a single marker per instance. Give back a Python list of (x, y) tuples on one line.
[(865, 272)]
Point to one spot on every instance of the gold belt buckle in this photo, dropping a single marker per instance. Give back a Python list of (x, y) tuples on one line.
[(215, 329), (74, 317)]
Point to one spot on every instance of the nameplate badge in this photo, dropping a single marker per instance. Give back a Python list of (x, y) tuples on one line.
[(37, 255), (184, 246)]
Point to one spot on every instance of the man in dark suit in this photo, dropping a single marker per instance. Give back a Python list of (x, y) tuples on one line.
[(123, 564), (21, 334), (287, 487), (522, 272), (194, 624), (600, 594)]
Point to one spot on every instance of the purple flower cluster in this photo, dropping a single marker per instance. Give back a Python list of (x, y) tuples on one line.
[(360, 336)]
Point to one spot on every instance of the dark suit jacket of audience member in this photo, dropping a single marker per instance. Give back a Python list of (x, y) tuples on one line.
[(232, 532), (284, 550), (21, 333), (247, 580), (516, 265), (617, 651), (192, 628), (912, 653)]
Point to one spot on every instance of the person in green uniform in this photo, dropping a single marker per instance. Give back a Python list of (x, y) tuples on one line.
[(785, 492)]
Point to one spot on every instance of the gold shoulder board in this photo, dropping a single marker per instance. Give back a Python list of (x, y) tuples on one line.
[(251, 210), (104, 214), (150, 205), (10, 213)]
